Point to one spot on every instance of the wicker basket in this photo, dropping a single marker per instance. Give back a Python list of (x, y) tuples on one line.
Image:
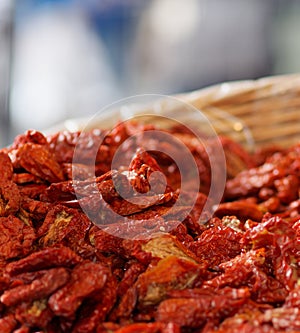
[(269, 107), (255, 113)]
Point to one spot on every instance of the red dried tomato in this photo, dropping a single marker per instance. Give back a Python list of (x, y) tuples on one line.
[(60, 273)]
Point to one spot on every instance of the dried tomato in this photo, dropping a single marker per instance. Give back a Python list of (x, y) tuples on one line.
[(241, 209), (39, 161), (39, 288), (6, 166), (16, 238), (87, 278), (63, 225), (32, 136), (98, 309), (46, 258), (7, 323), (9, 198), (169, 274), (175, 269), (217, 244), (194, 312)]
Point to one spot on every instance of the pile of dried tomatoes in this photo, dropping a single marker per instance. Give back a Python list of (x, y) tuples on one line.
[(60, 272)]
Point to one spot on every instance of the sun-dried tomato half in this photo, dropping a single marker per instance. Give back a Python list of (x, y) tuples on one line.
[(64, 269)]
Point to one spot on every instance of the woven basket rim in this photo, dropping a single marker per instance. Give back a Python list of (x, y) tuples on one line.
[(268, 107)]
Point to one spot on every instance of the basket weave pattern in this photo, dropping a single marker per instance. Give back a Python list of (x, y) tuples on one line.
[(269, 107)]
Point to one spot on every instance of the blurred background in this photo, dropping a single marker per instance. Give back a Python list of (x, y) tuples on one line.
[(62, 59)]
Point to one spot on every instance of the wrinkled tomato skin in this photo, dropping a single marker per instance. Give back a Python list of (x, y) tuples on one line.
[(85, 248)]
